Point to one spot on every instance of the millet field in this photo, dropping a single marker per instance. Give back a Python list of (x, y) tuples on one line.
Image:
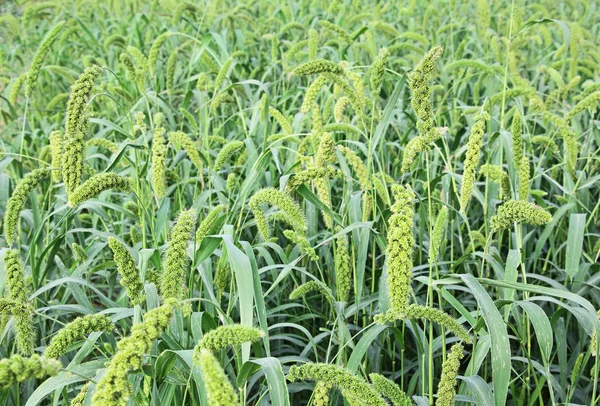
[(301, 202)]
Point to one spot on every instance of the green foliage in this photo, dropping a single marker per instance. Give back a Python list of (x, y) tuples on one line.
[(323, 146)]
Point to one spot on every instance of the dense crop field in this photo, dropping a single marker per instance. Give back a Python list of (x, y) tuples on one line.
[(299, 202)]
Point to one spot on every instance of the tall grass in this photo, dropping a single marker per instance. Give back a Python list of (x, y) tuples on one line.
[(299, 203)]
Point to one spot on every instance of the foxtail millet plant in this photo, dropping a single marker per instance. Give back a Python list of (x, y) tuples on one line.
[(38, 60), (421, 104), (519, 211), (78, 252), (222, 74), (19, 369), (321, 394), (170, 75), (447, 386), (130, 276), (339, 108), (400, 242), (378, 70), (159, 156), (228, 336), (312, 93), (524, 169), (496, 174), (437, 235), (312, 286), (10, 307), (141, 65), (546, 142), (336, 29), (114, 388), (219, 390), (594, 341), (75, 331), (103, 143), (79, 400), (280, 118), (517, 138), (308, 175), (155, 50), (343, 269), (313, 43), (15, 89), (17, 200), (76, 128), (18, 290), (390, 390), (284, 202), (472, 159), (589, 102), (357, 166), (227, 152), (208, 223), (302, 242), (97, 184), (182, 139), (177, 257), (417, 312), (318, 66), (127, 63), (337, 376)]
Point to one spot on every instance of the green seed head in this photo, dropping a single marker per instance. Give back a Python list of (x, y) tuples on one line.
[(438, 234), (312, 286), (227, 152), (76, 127), (318, 66), (177, 257), (19, 369), (399, 248), (302, 242), (519, 211), (97, 184), (114, 388), (38, 60), (284, 202), (447, 386), (390, 390), (218, 388), (76, 331), (378, 70), (17, 200), (472, 159), (130, 276), (350, 385), (227, 336)]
